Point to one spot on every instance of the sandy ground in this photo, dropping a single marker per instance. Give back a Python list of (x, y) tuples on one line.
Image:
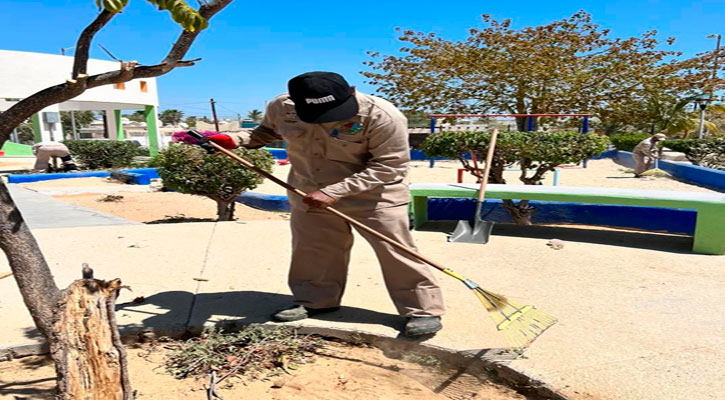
[(72, 182), (158, 206), (16, 163), (348, 373), (599, 173)]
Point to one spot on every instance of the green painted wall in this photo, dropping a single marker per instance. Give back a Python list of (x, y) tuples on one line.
[(119, 125), (37, 128), (14, 149), (152, 130)]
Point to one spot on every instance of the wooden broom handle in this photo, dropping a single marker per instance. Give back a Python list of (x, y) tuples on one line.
[(487, 168), (339, 214)]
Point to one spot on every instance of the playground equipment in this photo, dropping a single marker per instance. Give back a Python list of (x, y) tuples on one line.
[(530, 119)]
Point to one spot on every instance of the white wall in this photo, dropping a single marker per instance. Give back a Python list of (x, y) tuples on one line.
[(23, 73)]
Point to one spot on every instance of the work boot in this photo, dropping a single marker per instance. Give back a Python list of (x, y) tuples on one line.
[(418, 326), (298, 312)]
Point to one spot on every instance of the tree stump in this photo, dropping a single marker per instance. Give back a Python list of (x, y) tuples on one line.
[(86, 345)]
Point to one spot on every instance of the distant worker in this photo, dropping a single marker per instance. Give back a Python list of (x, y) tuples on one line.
[(645, 153), (44, 151)]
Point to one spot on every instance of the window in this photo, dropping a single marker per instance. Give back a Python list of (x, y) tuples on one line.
[(144, 86), (120, 86)]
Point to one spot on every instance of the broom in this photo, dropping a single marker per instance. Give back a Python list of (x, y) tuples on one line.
[(519, 324), (656, 171)]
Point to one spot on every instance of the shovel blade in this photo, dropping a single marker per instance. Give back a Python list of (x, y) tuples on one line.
[(479, 232)]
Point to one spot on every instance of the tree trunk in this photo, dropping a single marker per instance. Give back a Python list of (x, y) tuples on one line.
[(225, 209), (520, 212), (89, 357), (79, 323), (29, 267)]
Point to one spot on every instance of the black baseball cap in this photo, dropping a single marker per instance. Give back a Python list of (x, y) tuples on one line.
[(322, 97)]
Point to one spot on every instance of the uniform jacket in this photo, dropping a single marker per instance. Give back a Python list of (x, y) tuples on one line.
[(361, 162)]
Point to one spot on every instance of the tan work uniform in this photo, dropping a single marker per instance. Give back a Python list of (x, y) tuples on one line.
[(44, 151), (644, 155), (363, 164)]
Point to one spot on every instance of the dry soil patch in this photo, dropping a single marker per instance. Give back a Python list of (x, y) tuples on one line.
[(343, 373)]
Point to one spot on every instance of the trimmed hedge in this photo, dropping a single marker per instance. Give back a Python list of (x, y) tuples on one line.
[(627, 141), (703, 152), (102, 154)]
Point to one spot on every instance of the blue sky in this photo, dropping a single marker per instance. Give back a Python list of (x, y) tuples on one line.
[(252, 48)]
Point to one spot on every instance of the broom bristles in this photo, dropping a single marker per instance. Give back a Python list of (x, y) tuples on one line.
[(519, 324), (656, 172)]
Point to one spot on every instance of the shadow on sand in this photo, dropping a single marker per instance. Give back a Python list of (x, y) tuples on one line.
[(584, 234)]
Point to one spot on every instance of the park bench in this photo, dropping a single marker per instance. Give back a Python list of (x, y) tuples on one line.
[(709, 236)]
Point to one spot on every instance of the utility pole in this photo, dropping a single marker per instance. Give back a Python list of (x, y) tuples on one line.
[(73, 125), (213, 113)]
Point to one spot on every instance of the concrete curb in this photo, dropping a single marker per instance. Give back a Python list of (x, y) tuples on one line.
[(494, 361), (688, 173)]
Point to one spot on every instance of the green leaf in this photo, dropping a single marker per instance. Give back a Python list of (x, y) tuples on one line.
[(182, 14), (114, 6)]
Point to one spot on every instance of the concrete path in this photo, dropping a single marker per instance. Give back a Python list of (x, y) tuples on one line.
[(41, 211), (640, 317)]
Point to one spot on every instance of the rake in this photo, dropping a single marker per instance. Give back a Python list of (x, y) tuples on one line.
[(519, 324)]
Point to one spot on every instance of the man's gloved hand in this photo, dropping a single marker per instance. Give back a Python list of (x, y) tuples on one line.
[(223, 140), (317, 199)]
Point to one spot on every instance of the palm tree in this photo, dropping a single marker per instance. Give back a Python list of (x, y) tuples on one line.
[(171, 116), (674, 119), (255, 115)]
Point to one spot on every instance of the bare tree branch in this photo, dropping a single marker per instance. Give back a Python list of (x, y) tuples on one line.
[(80, 82), (183, 43), (83, 46)]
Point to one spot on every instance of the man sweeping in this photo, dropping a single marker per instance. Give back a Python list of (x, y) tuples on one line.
[(44, 151), (645, 153), (351, 150)]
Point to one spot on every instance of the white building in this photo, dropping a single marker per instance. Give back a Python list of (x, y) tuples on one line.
[(23, 73)]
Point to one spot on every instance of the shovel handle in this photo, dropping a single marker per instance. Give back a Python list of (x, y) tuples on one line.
[(487, 168), (300, 193)]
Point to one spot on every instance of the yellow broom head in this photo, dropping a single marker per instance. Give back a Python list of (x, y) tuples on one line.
[(657, 173), (519, 324)]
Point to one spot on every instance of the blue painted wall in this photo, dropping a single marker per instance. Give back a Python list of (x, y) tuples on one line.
[(548, 212), (708, 177)]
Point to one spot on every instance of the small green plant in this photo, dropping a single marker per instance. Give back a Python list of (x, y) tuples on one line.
[(102, 154), (627, 141), (190, 169), (536, 153), (253, 352)]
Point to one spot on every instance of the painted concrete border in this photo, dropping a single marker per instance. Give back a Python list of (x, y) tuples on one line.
[(138, 176), (267, 202), (26, 178), (707, 177), (655, 219)]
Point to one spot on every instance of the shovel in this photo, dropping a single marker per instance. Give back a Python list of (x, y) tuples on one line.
[(478, 230)]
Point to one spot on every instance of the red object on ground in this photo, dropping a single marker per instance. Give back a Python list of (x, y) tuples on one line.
[(2, 153), (223, 140), (283, 162), (460, 175)]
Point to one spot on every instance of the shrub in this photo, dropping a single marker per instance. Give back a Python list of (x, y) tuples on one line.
[(628, 141), (190, 169), (704, 152), (102, 154), (536, 152)]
